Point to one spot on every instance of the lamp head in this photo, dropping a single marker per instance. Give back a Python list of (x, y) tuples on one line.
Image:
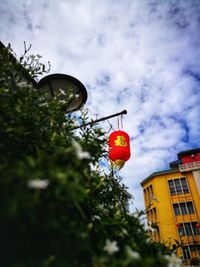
[(64, 87)]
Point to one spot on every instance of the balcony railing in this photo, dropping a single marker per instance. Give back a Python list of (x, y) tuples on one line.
[(189, 166)]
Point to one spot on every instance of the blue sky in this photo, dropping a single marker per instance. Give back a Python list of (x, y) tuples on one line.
[(138, 55)]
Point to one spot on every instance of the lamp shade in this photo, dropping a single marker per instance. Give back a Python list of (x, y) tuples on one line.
[(65, 88), (119, 148)]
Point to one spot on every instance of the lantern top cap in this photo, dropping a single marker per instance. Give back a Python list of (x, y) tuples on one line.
[(121, 131)]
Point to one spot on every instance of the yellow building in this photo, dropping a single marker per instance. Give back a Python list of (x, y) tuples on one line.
[(172, 200)]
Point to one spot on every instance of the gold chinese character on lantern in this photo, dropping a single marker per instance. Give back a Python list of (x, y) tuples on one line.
[(120, 141)]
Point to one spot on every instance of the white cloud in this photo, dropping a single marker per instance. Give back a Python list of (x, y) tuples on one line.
[(142, 56)]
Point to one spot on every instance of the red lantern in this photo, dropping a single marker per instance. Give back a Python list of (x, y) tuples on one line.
[(178, 225), (119, 148)]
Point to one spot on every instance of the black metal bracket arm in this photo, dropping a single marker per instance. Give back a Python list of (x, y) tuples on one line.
[(101, 119)]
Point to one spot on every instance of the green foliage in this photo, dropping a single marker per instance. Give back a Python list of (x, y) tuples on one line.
[(195, 261), (58, 207)]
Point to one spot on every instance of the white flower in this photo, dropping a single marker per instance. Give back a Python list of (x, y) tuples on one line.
[(173, 261), (136, 214), (76, 96), (61, 92), (38, 184), (75, 124), (124, 232), (71, 95), (22, 83), (148, 240), (62, 101), (96, 217), (132, 254), (111, 247), (150, 229), (44, 104), (102, 209), (79, 152)]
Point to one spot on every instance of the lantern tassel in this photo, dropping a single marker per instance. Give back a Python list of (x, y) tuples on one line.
[(119, 163)]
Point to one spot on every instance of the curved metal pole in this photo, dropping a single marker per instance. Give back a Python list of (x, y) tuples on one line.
[(101, 119)]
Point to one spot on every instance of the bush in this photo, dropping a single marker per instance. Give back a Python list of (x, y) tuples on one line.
[(58, 207), (195, 261)]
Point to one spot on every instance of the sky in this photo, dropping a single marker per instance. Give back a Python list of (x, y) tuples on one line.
[(138, 55)]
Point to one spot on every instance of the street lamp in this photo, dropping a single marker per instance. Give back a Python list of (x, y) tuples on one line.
[(64, 87)]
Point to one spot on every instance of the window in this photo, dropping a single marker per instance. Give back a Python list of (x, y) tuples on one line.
[(148, 216), (151, 215), (178, 186), (186, 252), (154, 215), (195, 247), (171, 187), (148, 194), (187, 229), (183, 208), (184, 185), (158, 234), (190, 207), (176, 209), (151, 192), (145, 195)]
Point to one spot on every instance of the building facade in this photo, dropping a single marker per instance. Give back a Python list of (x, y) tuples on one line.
[(172, 201)]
